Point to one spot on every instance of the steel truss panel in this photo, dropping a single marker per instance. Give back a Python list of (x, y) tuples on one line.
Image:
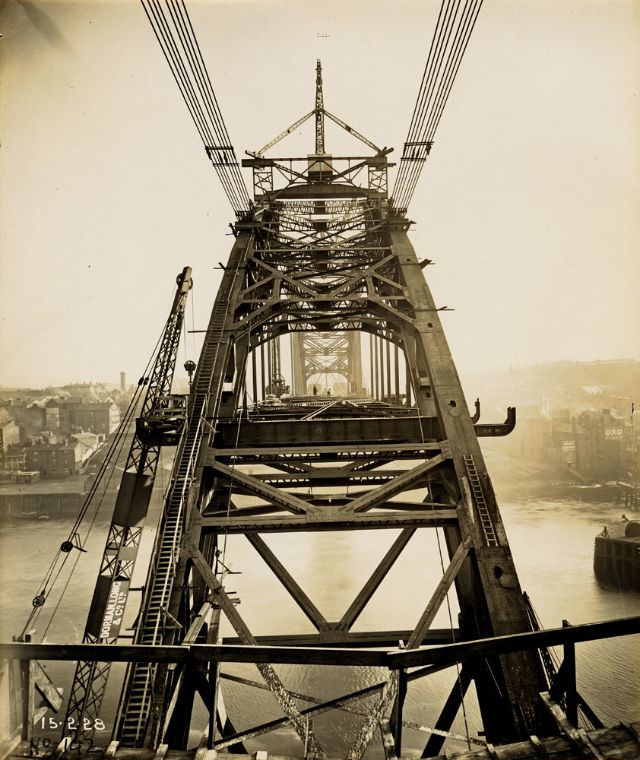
[(320, 258)]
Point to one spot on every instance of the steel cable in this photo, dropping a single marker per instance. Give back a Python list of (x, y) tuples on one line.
[(48, 583), (176, 37), (196, 70), (51, 575), (446, 86), (185, 85), (173, 61), (411, 168), (415, 150), (229, 168), (215, 107), (454, 27), (432, 67), (216, 112)]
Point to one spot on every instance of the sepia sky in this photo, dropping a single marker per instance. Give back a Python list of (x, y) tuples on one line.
[(528, 203)]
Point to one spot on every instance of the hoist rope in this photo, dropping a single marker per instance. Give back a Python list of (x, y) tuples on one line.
[(73, 541), (52, 574), (88, 533), (455, 23), (174, 32)]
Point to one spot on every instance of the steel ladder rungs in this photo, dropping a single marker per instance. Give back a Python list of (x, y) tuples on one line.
[(139, 699), (481, 504)]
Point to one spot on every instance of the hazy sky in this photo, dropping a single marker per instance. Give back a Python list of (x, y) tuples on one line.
[(528, 203)]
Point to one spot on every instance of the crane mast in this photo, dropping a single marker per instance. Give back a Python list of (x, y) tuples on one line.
[(160, 421)]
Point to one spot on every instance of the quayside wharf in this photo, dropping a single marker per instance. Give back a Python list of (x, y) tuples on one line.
[(321, 275)]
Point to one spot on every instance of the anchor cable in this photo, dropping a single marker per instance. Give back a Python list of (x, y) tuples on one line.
[(175, 34), (455, 24)]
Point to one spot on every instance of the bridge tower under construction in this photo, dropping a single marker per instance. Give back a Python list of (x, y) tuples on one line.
[(325, 400)]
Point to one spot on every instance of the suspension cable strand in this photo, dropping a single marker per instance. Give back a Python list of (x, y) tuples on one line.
[(153, 14), (434, 60), (175, 35), (459, 46), (442, 76), (167, 43), (215, 108), (455, 24), (418, 147), (229, 169), (466, 24), (437, 51), (427, 77), (416, 150)]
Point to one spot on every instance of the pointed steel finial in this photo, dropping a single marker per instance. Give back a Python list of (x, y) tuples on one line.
[(319, 111)]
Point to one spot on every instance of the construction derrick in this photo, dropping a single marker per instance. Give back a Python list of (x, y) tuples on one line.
[(324, 257), (160, 421)]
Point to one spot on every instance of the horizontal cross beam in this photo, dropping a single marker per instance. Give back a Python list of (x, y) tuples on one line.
[(329, 519), (447, 655), (344, 450), (336, 637)]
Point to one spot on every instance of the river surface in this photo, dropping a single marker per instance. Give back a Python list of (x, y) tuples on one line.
[(552, 543)]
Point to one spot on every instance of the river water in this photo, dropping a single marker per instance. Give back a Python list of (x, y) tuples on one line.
[(552, 543)]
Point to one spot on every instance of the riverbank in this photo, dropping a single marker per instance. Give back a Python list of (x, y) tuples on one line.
[(46, 498), (510, 476)]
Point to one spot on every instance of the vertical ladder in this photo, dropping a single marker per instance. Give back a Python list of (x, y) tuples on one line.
[(162, 568), (164, 561), (480, 502)]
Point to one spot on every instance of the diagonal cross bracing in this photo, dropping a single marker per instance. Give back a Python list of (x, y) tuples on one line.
[(322, 257), (287, 580), (272, 495), (267, 671), (376, 578), (400, 483), (427, 617)]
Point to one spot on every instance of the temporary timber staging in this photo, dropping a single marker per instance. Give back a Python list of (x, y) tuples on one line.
[(321, 254)]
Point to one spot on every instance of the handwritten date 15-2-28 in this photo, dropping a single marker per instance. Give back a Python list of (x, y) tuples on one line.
[(71, 724)]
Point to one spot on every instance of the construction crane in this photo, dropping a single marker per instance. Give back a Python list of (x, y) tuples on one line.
[(321, 252), (160, 424)]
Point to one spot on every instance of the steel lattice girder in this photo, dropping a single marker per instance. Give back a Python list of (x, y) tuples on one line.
[(356, 271)]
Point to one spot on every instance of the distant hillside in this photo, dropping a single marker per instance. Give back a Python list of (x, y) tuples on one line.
[(614, 383)]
